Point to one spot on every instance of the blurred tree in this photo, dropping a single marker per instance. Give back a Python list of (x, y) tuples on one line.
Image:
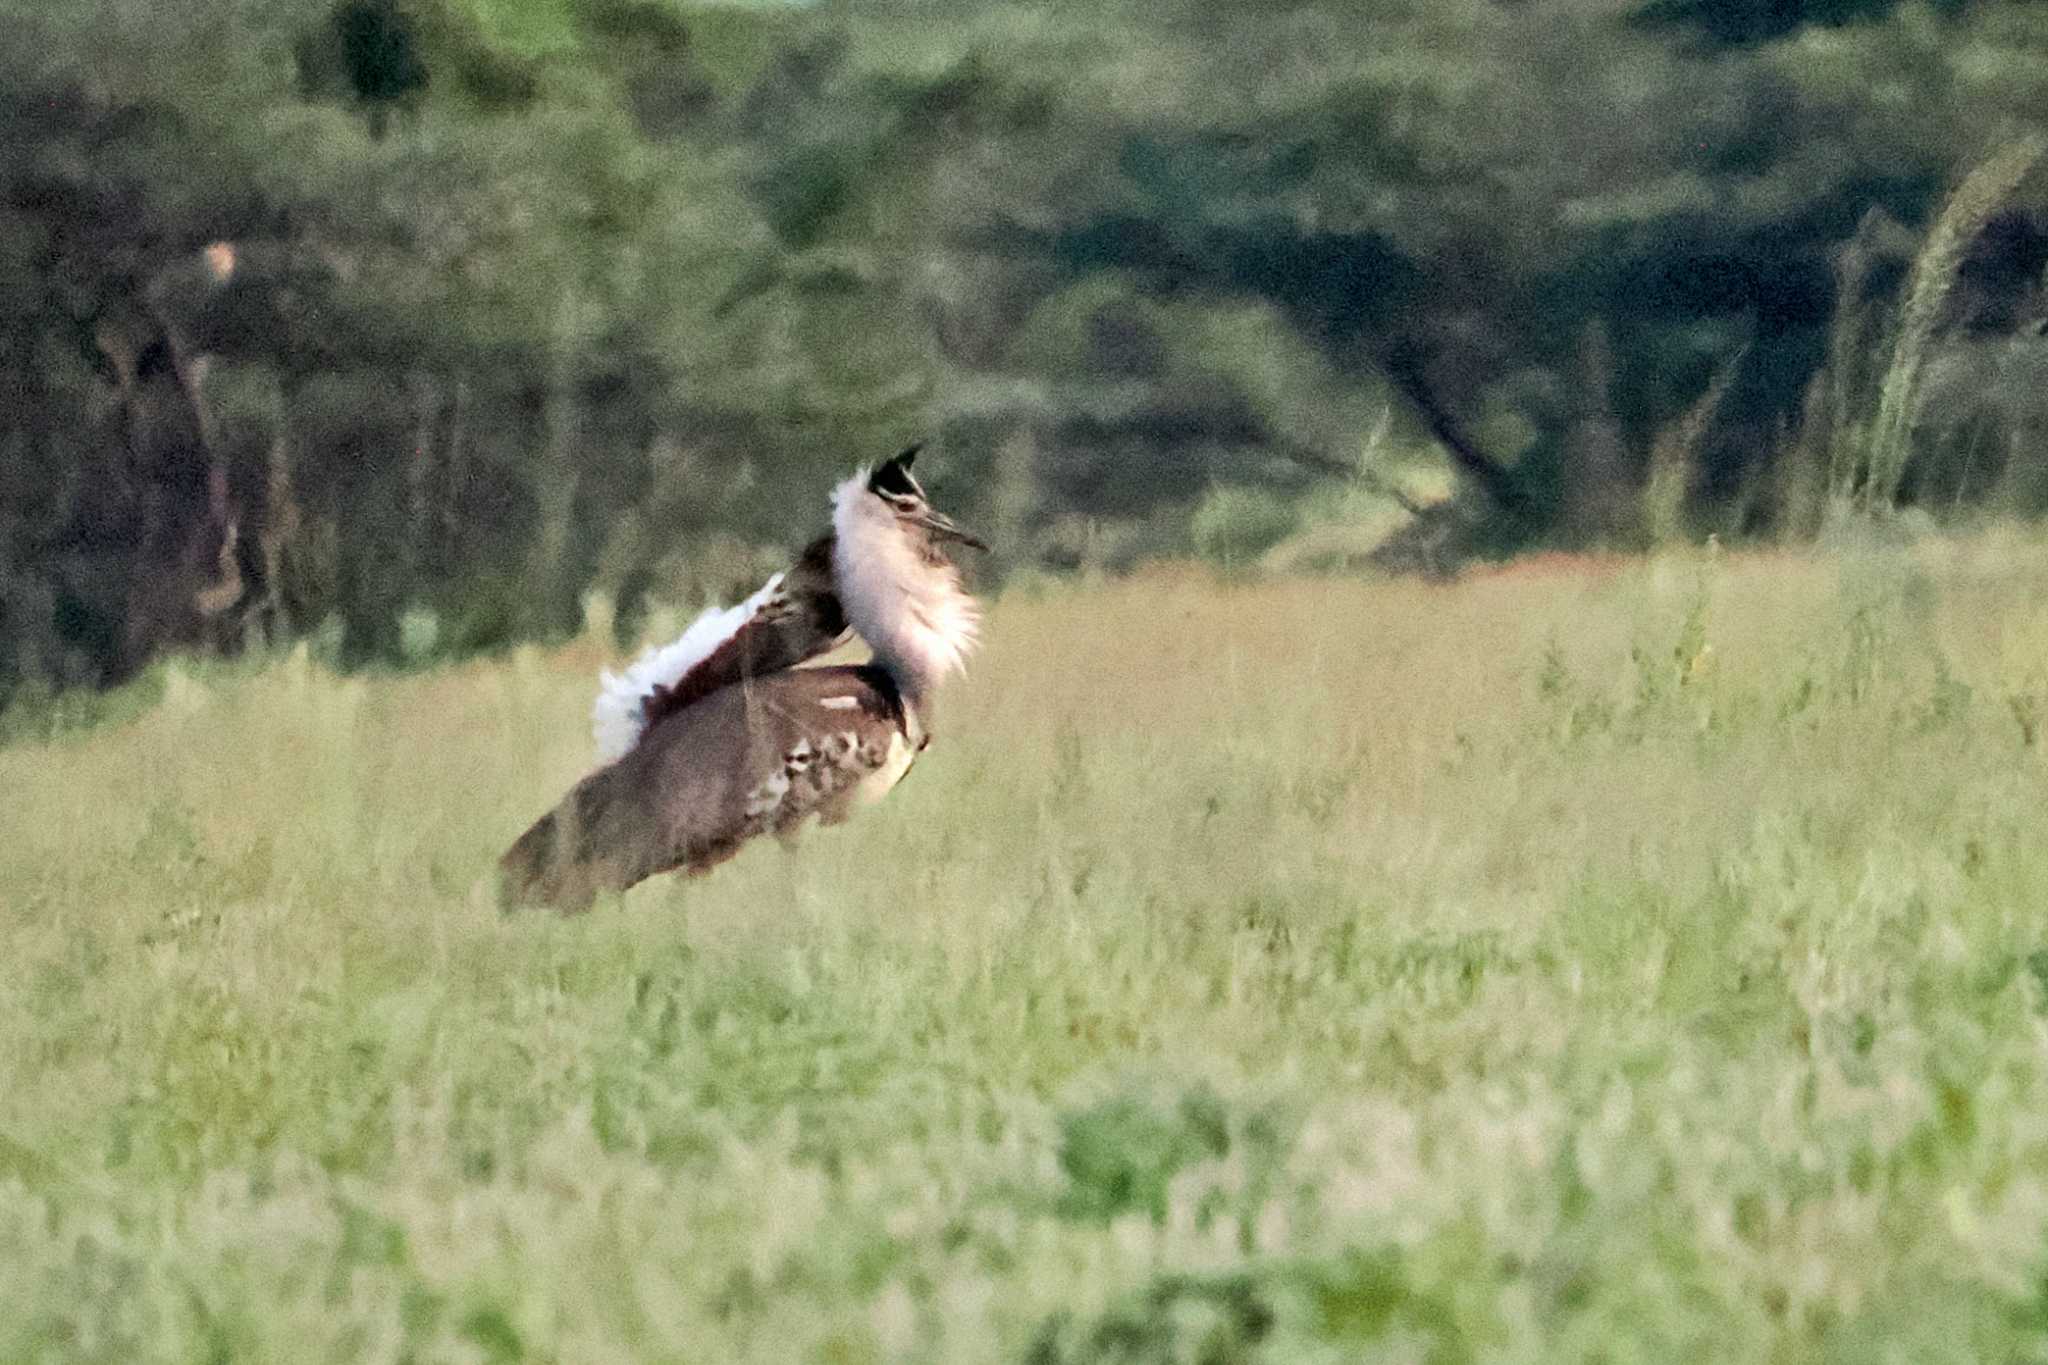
[(348, 309), (1740, 22)]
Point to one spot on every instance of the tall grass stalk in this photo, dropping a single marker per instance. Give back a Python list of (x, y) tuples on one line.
[(1980, 194), (1675, 454), (1841, 382)]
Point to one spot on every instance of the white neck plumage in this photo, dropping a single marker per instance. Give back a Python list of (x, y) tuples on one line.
[(903, 597)]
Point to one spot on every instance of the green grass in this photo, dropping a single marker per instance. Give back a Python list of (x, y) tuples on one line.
[(1580, 961)]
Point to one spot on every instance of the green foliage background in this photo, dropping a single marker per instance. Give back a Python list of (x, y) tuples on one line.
[(324, 311)]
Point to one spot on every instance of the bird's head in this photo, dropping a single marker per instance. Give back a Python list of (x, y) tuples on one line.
[(916, 518)]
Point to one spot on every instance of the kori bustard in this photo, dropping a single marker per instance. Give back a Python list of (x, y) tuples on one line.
[(718, 738)]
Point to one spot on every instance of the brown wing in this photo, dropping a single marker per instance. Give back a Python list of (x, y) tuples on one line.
[(747, 760)]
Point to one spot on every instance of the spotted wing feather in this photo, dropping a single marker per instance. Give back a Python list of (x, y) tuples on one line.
[(752, 759)]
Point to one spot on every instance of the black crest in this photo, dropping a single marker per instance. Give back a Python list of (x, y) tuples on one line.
[(892, 478)]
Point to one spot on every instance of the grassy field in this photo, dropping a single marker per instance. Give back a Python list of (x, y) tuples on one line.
[(1580, 961)]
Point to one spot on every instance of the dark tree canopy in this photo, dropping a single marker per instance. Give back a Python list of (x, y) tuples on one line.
[(342, 316)]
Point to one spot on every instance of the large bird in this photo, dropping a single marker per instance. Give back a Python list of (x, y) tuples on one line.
[(718, 738)]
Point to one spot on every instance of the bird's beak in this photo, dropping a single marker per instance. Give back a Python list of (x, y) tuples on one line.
[(943, 527)]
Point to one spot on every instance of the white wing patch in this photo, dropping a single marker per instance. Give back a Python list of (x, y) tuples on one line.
[(619, 715), (839, 703)]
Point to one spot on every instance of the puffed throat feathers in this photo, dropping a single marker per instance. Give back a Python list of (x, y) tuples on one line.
[(900, 592)]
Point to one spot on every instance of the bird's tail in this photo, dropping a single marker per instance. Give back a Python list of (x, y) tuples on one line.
[(539, 870), (604, 837), (563, 861)]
